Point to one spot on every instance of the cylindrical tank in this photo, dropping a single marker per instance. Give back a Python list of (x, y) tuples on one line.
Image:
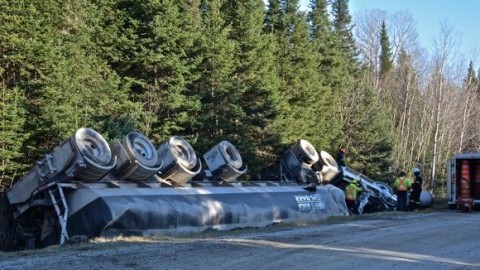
[(224, 162), (179, 161), (106, 211), (137, 158), (426, 199)]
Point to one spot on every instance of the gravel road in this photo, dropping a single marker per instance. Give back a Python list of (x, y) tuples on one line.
[(421, 240)]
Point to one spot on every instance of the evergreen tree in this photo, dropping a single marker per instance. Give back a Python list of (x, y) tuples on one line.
[(364, 125), (18, 65), (386, 62), (368, 136), (12, 135), (320, 25), (329, 59), (471, 79), (343, 28), (76, 87), (156, 58), (273, 22), (220, 112), (406, 106), (253, 77), (49, 61), (300, 86), (468, 137)]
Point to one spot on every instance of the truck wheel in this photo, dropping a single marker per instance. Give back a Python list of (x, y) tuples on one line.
[(327, 160), (93, 146), (231, 154), (183, 152), (140, 148), (330, 168), (305, 151)]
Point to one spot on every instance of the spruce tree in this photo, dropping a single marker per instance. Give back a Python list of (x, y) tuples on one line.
[(386, 62), (324, 44), (76, 88), (155, 56), (253, 77), (52, 64), (300, 87), (273, 22), (220, 111), (12, 135), (364, 125), (342, 26), (367, 134), (470, 79)]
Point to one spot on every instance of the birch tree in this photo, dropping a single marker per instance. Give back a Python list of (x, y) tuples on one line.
[(443, 53)]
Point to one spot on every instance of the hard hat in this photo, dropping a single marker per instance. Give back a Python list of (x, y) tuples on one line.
[(354, 181), (416, 170)]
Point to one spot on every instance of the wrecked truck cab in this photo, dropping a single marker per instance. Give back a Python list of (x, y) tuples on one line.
[(376, 196)]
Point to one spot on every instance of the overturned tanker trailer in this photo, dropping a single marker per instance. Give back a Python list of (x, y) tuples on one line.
[(89, 187)]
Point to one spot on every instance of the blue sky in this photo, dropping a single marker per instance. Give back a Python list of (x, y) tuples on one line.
[(462, 15)]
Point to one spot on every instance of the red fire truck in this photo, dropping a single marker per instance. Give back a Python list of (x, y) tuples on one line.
[(463, 181)]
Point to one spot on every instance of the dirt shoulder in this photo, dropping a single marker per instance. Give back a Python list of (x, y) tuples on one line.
[(376, 241)]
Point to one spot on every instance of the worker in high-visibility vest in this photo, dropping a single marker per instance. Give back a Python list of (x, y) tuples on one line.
[(403, 185), (351, 193)]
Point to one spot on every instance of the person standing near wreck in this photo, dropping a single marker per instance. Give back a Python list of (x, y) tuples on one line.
[(403, 185), (341, 156), (416, 190), (341, 160), (351, 193)]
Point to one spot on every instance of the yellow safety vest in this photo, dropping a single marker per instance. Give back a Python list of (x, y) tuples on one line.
[(351, 192), (403, 183)]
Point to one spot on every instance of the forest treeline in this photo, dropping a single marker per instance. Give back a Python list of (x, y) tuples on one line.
[(260, 76)]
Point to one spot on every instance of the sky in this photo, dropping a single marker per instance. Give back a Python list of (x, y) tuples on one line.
[(462, 15)]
